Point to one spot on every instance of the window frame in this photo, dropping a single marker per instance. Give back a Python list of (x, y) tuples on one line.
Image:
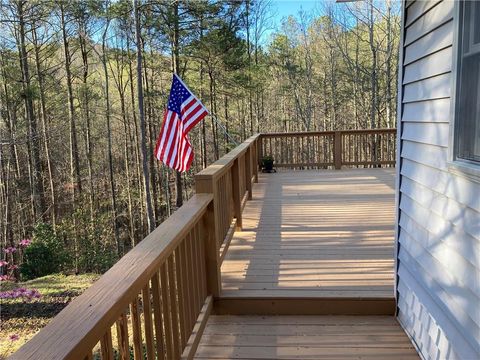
[(465, 168)]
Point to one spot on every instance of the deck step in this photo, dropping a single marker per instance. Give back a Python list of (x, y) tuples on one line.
[(304, 337), (244, 305)]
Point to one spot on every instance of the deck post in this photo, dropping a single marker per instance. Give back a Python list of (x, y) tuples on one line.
[(237, 197), (248, 172), (337, 150), (207, 185), (255, 160), (212, 261), (260, 151)]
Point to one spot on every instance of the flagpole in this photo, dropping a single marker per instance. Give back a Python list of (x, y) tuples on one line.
[(224, 129)]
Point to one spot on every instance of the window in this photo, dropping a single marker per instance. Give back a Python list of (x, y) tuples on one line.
[(467, 117)]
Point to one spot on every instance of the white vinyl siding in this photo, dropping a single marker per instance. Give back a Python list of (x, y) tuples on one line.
[(438, 259)]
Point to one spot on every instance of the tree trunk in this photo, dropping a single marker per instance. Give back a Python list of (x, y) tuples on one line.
[(226, 124), (141, 112), (76, 184), (36, 171), (113, 196), (213, 107), (138, 161), (43, 115), (88, 131), (121, 88), (74, 158), (373, 81), (151, 136), (373, 74), (388, 65)]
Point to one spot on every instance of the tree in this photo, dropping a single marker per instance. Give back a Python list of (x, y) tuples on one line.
[(141, 112)]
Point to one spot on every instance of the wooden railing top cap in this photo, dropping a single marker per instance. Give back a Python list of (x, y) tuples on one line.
[(328, 133), (225, 162)]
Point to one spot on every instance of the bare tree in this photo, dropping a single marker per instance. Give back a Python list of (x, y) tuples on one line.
[(141, 112)]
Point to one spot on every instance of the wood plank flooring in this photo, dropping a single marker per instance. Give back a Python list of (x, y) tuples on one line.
[(315, 233), (304, 337)]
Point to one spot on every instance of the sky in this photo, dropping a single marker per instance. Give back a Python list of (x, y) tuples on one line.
[(283, 8)]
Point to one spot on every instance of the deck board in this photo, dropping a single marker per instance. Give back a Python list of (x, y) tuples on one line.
[(304, 337), (315, 233)]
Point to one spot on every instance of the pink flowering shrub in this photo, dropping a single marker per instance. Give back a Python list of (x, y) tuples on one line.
[(9, 250), (25, 242), (7, 278), (15, 261), (20, 293), (13, 337)]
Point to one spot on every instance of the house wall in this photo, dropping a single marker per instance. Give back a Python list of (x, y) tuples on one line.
[(438, 254)]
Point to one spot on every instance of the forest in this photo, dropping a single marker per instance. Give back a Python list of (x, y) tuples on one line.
[(84, 84)]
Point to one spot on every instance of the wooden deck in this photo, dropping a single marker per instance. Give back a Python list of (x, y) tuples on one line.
[(310, 273), (304, 337), (315, 233), (311, 239)]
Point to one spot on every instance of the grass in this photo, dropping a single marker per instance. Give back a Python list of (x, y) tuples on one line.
[(25, 319)]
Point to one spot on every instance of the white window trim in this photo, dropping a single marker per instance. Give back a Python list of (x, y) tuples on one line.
[(464, 168)]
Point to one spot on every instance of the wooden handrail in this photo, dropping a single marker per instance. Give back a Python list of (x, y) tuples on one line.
[(324, 149), (220, 166), (310, 133)]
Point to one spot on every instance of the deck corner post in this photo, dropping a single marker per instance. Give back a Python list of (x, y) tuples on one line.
[(255, 159), (237, 197), (204, 185), (212, 260), (259, 152), (248, 172), (337, 150)]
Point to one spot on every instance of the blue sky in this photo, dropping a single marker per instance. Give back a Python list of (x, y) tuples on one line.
[(283, 8)]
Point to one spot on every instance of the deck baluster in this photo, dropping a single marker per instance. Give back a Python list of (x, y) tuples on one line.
[(136, 329), (122, 337), (147, 318), (167, 321), (158, 321), (106, 345)]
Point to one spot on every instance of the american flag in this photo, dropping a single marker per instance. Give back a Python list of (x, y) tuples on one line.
[(183, 112)]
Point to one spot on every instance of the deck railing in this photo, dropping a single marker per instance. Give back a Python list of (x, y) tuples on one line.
[(160, 286), (154, 301), (229, 180), (330, 148)]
